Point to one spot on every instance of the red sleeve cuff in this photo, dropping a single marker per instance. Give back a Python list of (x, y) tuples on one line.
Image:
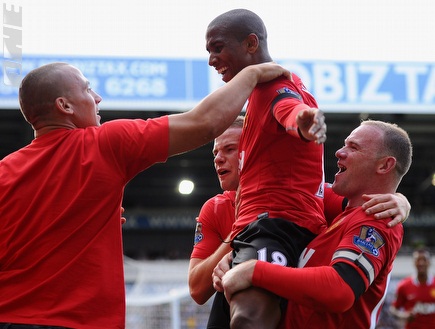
[(320, 288)]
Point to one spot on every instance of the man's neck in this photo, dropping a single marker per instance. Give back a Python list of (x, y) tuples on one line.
[(422, 277)]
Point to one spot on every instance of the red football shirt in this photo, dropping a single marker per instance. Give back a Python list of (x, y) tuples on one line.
[(61, 260), (352, 234), (418, 299), (280, 173), (217, 216), (356, 239), (213, 224)]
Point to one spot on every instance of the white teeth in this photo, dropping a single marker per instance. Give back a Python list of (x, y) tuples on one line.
[(341, 169), (222, 70)]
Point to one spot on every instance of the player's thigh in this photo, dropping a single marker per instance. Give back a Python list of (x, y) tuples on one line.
[(255, 304)]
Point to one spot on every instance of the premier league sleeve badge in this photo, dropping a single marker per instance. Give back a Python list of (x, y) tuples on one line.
[(369, 240)]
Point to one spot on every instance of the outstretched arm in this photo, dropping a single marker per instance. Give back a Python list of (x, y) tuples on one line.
[(217, 111), (302, 120), (302, 284)]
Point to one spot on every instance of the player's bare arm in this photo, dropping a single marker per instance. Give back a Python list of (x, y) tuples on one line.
[(200, 271), (218, 110)]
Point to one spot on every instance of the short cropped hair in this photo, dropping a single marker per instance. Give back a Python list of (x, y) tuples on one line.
[(396, 143), (39, 88), (240, 23)]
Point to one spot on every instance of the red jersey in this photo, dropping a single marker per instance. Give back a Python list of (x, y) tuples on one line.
[(213, 224), (366, 244), (280, 173), (217, 216), (61, 260), (419, 299)]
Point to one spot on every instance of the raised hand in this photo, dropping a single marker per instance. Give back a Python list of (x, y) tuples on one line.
[(311, 124)]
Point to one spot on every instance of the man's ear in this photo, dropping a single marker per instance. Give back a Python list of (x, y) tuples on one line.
[(387, 164), (252, 43), (63, 105)]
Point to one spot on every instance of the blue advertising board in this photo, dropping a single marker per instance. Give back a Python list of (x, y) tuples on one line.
[(179, 84), (369, 86)]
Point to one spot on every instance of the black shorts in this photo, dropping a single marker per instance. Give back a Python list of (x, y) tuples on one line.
[(274, 240)]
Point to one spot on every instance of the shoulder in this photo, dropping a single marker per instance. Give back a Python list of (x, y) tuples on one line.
[(366, 234), (405, 282), (296, 79), (375, 229), (154, 130), (229, 195), (122, 124), (220, 203)]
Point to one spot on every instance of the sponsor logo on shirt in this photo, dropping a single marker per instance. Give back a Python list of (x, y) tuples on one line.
[(198, 233), (369, 240), (424, 308)]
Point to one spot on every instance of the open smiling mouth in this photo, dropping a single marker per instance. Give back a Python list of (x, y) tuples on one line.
[(341, 169), (223, 70)]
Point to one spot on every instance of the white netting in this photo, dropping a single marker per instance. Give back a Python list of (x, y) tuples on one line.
[(158, 296)]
